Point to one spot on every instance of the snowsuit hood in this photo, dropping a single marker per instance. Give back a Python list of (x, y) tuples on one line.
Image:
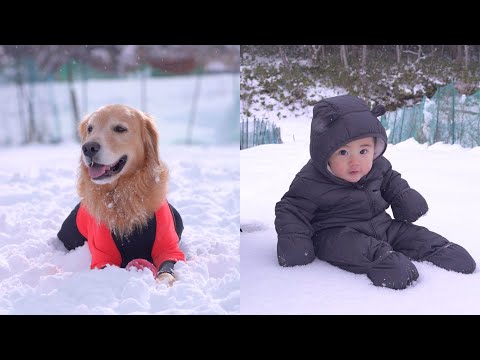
[(339, 120)]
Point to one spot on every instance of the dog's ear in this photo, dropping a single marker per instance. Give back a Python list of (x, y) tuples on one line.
[(82, 128), (150, 138)]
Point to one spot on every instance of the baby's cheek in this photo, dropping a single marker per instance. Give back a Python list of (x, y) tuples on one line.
[(369, 166)]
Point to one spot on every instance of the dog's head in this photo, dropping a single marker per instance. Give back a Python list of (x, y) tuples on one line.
[(117, 140)]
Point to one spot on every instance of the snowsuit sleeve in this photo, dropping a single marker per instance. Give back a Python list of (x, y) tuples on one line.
[(407, 203), (293, 216), (70, 234)]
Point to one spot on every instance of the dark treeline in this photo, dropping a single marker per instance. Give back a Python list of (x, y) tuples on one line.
[(466, 56), (394, 75)]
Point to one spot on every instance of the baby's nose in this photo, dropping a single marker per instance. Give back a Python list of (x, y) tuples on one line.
[(354, 160)]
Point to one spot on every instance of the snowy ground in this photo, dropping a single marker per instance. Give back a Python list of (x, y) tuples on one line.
[(38, 275), (446, 175)]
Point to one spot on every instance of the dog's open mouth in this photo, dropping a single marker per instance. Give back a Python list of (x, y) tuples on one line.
[(100, 171)]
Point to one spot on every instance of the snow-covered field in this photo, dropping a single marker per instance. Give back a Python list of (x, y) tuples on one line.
[(37, 192), (446, 175), (39, 276)]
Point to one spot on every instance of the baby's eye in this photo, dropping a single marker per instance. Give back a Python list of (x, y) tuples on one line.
[(343, 152), (363, 151)]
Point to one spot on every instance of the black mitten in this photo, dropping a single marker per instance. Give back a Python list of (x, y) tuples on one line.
[(409, 205), (295, 249)]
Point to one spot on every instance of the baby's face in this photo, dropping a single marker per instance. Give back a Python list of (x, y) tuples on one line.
[(353, 160)]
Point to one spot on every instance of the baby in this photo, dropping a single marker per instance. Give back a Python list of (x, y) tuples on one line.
[(335, 207)]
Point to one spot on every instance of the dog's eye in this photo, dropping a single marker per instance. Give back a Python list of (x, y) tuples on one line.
[(119, 129), (90, 128)]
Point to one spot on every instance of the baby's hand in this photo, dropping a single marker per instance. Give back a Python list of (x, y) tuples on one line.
[(409, 206), (169, 278)]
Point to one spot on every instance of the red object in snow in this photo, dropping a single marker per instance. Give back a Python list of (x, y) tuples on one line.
[(142, 264)]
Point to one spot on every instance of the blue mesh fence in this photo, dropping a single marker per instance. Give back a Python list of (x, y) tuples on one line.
[(257, 132), (448, 117)]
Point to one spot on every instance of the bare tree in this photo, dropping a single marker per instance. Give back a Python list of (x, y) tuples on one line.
[(73, 98), (27, 131), (364, 57), (193, 109), (466, 57), (285, 61), (399, 51), (419, 56), (459, 53), (343, 56), (19, 53), (318, 53)]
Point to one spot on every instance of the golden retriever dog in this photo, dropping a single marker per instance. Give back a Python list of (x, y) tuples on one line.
[(122, 183), (122, 180)]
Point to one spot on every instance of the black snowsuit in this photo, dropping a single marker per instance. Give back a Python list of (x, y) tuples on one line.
[(345, 223)]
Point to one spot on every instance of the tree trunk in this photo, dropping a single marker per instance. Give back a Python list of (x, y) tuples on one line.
[(32, 134), (364, 57), (318, 54), (314, 54), (343, 56), (466, 57), (21, 100), (285, 61), (193, 109), (399, 50), (73, 99), (459, 54), (85, 88)]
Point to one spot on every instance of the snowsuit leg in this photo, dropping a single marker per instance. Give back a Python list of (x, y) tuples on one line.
[(421, 244), (353, 251)]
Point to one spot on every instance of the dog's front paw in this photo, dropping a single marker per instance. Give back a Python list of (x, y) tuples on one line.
[(166, 277)]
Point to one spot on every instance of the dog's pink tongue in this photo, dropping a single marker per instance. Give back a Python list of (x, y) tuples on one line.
[(97, 170)]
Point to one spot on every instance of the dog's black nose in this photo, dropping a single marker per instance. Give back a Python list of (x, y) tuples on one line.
[(90, 148)]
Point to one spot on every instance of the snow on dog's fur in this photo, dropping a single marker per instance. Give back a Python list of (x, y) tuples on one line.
[(122, 181)]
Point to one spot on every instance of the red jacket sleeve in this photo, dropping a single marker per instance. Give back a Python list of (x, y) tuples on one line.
[(82, 221), (102, 247), (166, 239)]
